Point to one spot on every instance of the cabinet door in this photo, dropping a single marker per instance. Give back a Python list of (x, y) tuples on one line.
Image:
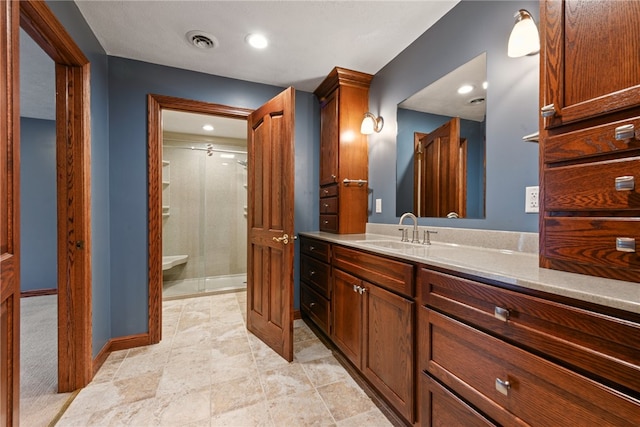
[(388, 347), (346, 324), (329, 128), (590, 53)]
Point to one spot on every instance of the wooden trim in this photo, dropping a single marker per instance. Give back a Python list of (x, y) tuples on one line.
[(73, 143), (342, 77), (155, 105), (116, 344), (38, 293), (297, 314)]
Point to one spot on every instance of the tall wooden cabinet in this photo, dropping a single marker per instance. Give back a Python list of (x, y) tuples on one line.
[(344, 164), (590, 137)]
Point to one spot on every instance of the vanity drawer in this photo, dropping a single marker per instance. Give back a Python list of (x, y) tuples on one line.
[(329, 223), (315, 306), (393, 275), (592, 186), (315, 273), (593, 241), (440, 407), (593, 141), (329, 191), (316, 248), (329, 205), (533, 389), (603, 345)]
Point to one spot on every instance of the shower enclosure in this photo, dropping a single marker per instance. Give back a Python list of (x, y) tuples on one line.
[(204, 211)]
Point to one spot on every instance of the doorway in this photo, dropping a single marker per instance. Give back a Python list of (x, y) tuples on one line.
[(204, 204), (156, 104)]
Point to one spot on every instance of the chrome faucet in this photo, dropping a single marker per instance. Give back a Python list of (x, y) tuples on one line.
[(415, 237)]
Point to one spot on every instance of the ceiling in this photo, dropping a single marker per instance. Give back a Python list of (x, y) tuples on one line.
[(306, 38)]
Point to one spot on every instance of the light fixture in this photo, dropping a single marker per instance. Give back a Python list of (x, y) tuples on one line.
[(465, 89), (370, 124), (524, 39), (208, 128), (257, 40)]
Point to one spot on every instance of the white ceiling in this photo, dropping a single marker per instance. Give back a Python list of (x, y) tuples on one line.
[(307, 39)]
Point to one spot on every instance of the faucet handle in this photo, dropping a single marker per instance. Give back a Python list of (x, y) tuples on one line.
[(404, 235), (427, 237)]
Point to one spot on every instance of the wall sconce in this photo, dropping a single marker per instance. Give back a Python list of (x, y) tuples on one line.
[(524, 39), (371, 124)]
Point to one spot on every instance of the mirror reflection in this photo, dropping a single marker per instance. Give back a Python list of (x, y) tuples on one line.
[(441, 146)]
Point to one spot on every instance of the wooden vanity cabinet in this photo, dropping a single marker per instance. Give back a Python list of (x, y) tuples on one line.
[(373, 326), (315, 281), (590, 137), (502, 356), (344, 99)]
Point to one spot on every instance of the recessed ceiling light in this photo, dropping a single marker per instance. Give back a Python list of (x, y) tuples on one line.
[(201, 40), (257, 40), (485, 85), (465, 89), (208, 128)]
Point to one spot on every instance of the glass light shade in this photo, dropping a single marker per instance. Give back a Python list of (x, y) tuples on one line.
[(371, 124), (524, 39)]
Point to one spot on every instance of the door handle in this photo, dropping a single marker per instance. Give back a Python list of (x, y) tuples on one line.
[(284, 239)]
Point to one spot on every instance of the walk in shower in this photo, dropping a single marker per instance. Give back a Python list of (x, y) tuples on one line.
[(204, 216)]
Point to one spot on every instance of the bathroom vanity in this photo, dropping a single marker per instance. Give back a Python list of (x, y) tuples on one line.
[(452, 334)]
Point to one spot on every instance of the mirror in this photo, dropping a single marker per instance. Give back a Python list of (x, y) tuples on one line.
[(441, 146)]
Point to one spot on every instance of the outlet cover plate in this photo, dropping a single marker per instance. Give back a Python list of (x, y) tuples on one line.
[(531, 199)]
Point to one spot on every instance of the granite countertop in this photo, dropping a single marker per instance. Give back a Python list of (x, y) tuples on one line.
[(503, 265)]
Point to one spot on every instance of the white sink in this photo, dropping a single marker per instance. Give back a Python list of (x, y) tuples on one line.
[(408, 248)]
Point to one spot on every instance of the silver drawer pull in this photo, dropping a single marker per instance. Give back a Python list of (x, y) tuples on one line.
[(326, 205), (312, 273), (548, 110), (625, 132), (313, 304), (503, 386), (501, 313), (355, 288), (625, 244), (312, 248), (625, 183)]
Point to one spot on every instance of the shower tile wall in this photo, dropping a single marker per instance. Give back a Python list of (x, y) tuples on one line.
[(206, 219)]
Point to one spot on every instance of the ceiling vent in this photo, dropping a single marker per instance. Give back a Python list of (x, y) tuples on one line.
[(201, 40)]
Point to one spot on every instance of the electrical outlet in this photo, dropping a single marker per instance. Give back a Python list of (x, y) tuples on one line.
[(378, 205), (531, 199)]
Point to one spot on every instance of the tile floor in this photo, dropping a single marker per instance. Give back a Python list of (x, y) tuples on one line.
[(210, 371)]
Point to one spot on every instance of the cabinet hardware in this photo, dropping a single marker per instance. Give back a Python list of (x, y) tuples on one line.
[(360, 182), (325, 191), (326, 205), (625, 244), (326, 221), (312, 273), (355, 288), (503, 386), (313, 304), (362, 290), (625, 183), (312, 248), (501, 313), (333, 177), (80, 244), (625, 132), (284, 239), (548, 110)]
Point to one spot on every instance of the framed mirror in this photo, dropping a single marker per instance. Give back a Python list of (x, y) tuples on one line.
[(441, 146)]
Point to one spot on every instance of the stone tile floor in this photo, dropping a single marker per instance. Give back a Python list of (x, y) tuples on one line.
[(210, 371)]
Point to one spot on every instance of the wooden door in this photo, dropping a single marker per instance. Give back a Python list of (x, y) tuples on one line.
[(346, 324), (441, 189), (270, 245), (9, 217), (590, 56)]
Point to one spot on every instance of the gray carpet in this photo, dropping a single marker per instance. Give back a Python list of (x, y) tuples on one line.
[(39, 400)]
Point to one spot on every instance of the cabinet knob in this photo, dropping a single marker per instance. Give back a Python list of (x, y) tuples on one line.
[(625, 244), (625, 132), (355, 288), (362, 290), (326, 221), (333, 177), (548, 110), (625, 183), (501, 313), (326, 205), (313, 304), (312, 248), (503, 386), (312, 273), (325, 191)]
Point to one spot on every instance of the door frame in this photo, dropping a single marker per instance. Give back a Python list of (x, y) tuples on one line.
[(155, 105), (73, 165)]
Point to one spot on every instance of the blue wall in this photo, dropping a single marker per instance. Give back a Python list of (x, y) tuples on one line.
[(129, 83), (38, 210), (73, 21), (470, 28)]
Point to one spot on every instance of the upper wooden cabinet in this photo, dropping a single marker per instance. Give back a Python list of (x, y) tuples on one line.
[(344, 156), (590, 57), (590, 137)]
